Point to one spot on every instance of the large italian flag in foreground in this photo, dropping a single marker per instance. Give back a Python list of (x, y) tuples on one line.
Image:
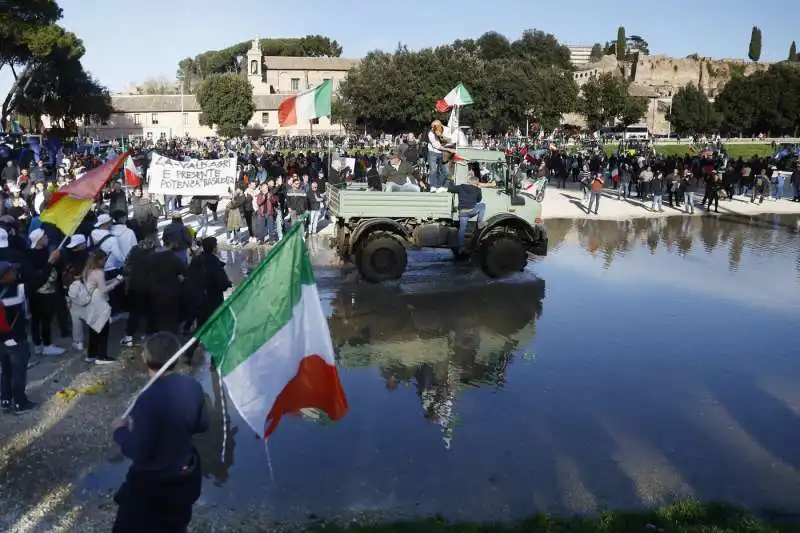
[(306, 106), (271, 344)]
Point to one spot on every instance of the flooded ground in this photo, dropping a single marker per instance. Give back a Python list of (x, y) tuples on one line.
[(639, 362)]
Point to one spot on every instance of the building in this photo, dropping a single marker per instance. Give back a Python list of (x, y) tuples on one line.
[(579, 54), (272, 78)]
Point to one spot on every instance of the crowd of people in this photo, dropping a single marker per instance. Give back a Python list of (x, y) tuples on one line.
[(673, 180)]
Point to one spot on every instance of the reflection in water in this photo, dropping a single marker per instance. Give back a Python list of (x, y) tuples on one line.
[(609, 239), (443, 341), (209, 444)]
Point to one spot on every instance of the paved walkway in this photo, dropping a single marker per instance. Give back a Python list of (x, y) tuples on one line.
[(568, 203)]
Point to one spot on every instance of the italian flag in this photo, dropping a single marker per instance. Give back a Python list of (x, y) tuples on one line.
[(459, 96), (307, 105), (270, 341), (132, 177)]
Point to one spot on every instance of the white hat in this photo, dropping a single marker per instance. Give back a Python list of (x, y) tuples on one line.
[(76, 240), (3, 238), (35, 236), (102, 220)]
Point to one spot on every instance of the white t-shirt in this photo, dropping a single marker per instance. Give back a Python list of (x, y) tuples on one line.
[(434, 144)]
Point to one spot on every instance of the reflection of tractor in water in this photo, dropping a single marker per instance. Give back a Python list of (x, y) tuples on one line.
[(374, 229), (472, 325), (441, 341)]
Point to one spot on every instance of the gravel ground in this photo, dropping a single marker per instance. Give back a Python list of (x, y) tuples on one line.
[(44, 453)]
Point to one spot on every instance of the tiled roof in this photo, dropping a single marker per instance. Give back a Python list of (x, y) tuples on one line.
[(127, 103), (310, 63)]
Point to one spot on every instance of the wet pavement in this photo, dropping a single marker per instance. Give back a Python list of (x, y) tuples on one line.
[(641, 361)]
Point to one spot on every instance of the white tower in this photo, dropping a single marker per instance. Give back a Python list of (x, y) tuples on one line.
[(254, 65)]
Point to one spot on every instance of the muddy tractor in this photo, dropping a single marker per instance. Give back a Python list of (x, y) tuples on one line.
[(375, 229)]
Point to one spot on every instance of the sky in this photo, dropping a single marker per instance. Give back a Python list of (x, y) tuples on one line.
[(148, 38)]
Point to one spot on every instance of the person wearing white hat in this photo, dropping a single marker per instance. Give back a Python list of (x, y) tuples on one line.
[(43, 300), (74, 261), (103, 238)]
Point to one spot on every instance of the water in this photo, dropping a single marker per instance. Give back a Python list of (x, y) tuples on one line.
[(639, 362)]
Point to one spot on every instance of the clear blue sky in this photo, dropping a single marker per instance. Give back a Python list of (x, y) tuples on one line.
[(131, 42)]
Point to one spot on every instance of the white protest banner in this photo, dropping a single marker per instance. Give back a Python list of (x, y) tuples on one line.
[(198, 177), (349, 162)]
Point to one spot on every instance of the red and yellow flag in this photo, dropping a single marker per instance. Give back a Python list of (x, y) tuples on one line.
[(70, 203)]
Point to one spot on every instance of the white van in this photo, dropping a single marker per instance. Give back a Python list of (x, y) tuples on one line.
[(636, 132)]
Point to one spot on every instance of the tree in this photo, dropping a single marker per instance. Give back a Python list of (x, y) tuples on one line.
[(20, 24), (606, 100), (754, 51), (597, 53), (692, 112), (637, 44), (793, 52), (397, 92), (53, 82), (226, 101), (622, 44), (228, 60), (160, 85), (764, 102), (492, 45)]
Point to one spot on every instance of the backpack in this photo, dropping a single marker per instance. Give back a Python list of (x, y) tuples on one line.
[(78, 294)]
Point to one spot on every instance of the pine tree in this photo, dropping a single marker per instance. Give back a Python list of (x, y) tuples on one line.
[(793, 52), (622, 44), (754, 52)]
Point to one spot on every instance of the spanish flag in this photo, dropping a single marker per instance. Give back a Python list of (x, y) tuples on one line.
[(70, 203)]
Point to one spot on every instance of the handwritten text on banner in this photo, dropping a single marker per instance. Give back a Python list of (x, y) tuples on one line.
[(198, 177)]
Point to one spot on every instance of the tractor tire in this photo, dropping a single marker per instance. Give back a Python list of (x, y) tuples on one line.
[(502, 256), (382, 257)]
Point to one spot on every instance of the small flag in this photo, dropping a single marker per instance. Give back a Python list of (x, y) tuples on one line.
[(271, 344), (132, 177), (306, 106), (459, 96)]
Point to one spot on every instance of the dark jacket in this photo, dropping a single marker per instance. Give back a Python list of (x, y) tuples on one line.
[(29, 281), (398, 175), (117, 201), (177, 234), (206, 281), (314, 200), (297, 201), (468, 195)]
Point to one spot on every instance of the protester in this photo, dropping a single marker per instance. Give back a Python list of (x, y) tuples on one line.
[(98, 311), (165, 478), (43, 300)]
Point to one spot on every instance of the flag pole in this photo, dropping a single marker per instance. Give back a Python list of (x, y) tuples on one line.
[(183, 349)]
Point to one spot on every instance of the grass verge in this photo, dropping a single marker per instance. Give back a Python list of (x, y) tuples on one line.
[(680, 517), (744, 151)]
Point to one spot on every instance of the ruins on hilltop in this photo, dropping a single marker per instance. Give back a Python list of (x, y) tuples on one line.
[(659, 77)]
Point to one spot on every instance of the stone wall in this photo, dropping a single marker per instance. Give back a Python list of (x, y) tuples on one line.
[(664, 75)]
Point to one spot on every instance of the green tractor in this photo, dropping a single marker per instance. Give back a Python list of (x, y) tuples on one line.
[(374, 229)]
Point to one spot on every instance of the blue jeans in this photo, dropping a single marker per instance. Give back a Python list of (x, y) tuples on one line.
[(594, 199), (656, 202), (778, 191), (437, 170), (313, 221), (463, 219), (170, 204), (688, 199), (14, 369), (624, 190), (202, 226)]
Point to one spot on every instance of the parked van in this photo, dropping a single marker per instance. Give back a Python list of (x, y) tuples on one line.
[(636, 132)]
